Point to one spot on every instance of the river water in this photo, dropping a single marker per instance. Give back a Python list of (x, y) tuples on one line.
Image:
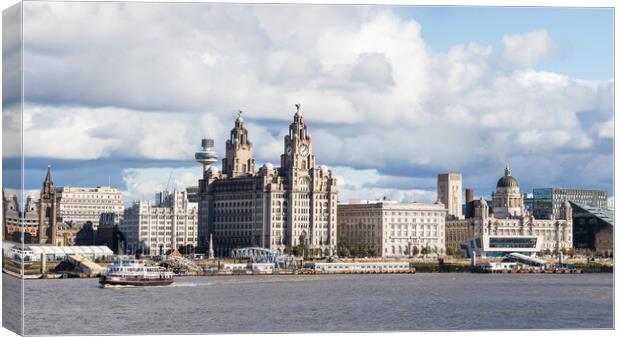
[(448, 301)]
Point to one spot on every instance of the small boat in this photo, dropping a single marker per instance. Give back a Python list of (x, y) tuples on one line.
[(130, 272)]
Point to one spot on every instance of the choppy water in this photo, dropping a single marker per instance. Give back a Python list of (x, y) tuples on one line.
[(322, 303)]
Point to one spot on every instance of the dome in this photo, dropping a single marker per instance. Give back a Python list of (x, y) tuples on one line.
[(483, 202), (324, 168), (268, 166), (507, 180), (566, 204), (212, 169)]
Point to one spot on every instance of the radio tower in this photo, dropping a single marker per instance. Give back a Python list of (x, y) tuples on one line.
[(207, 156)]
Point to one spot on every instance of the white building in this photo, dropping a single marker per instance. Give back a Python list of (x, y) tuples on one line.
[(276, 208), (170, 223), (450, 193), (507, 227), (82, 204), (394, 229)]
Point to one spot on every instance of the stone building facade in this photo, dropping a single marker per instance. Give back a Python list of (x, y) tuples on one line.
[(392, 228), (450, 193), (509, 227), (48, 211), (274, 208), (20, 225), (75, 234), (85, 204), (168, 224)]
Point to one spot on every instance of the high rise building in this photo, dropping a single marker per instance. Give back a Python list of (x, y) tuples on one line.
[(85, 204), (548, 201), (168, 224), (274, 208), (392, 228), (449, 192)]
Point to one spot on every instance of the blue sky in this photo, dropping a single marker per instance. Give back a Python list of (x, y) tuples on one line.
[(392, 95), (582, 34)]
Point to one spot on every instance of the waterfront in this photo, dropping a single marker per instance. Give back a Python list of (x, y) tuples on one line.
[(435, 301)]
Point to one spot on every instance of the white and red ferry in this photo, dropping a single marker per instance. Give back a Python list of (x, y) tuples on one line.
[(131, 272)]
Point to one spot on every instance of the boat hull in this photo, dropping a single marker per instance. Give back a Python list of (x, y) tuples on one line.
[(135, 283)]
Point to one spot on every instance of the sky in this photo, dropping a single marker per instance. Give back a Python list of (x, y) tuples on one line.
[(122, 93)]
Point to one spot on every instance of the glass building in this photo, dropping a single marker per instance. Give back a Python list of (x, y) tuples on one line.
[(547, 201)]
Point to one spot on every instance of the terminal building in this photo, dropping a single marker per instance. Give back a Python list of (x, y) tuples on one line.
[(593, 228), (507, 227), (393, 229), (276, 208), (548, 201)]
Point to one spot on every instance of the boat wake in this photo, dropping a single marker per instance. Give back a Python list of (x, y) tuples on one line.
[(189, 284)]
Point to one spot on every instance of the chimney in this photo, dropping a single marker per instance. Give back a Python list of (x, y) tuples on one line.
[(469, 203)]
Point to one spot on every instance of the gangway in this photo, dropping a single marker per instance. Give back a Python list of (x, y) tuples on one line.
[(263, 255), (179, 262), (85, 265), (526, 259)]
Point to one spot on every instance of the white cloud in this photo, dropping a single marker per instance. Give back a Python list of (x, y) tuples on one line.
[(143, 183), (527, 49), (374, 94), (354, 184)]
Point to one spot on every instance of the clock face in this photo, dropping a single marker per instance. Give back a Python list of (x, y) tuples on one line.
[(289, 150), (303, 150)]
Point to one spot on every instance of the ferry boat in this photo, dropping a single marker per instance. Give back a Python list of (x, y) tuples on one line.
[(135, 273)]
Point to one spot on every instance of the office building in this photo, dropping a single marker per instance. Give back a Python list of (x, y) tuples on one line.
[(548, 201), (169, 223), (593, 228), (277, 207), (84, 204), (393, 229)]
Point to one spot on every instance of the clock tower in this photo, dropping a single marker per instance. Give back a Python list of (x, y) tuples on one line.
[(298, 157), (311, 193)]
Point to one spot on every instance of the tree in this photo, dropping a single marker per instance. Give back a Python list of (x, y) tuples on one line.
[(346, 252), (297, 251), (425, 250), (372, 252), (540, 253), (416, 251), (453, 251)]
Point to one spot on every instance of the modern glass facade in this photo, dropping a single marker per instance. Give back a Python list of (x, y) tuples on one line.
[(547, 201), (512, 242)]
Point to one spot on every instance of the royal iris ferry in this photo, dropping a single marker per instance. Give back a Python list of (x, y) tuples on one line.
[(129, 272)]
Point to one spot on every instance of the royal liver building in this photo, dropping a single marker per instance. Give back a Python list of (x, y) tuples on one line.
[(274, 208)]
